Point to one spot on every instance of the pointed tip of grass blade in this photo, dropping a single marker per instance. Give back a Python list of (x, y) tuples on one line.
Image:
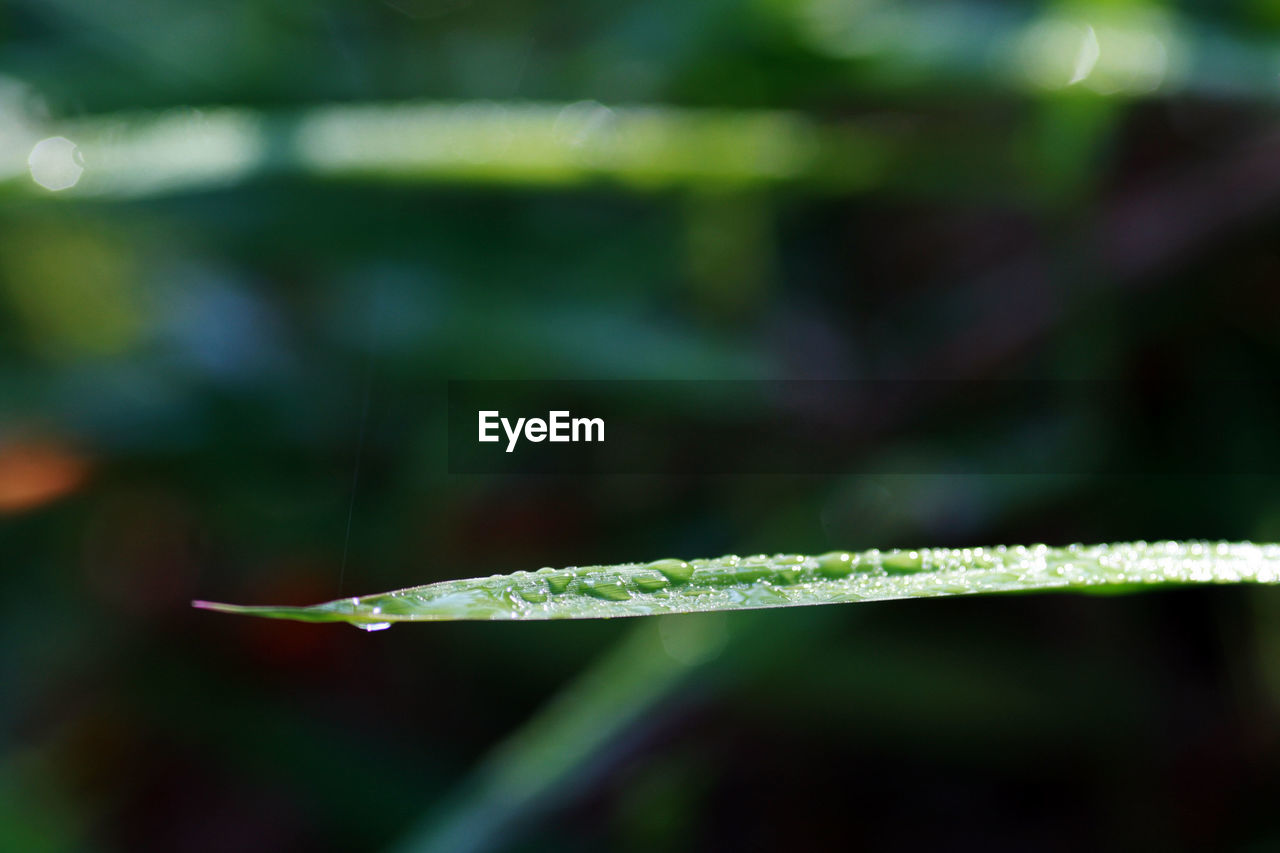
[(219, 606), (305, 614), (244, 609)]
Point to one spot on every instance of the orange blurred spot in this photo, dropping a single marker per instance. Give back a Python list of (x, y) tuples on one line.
[(33, 474)]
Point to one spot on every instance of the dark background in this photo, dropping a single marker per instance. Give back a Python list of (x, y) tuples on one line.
[(191, 372)]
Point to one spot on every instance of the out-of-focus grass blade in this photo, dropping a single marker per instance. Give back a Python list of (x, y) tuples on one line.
[(568, 743), (784, 580), (638, 148)]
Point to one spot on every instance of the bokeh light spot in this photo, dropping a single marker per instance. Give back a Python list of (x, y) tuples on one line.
[(55, 163), (36, 473)]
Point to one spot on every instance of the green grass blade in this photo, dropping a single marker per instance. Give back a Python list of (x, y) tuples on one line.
[(746, 583), (518, 144), (559, 751)]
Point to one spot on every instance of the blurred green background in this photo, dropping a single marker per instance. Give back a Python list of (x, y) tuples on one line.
[(243, 245)]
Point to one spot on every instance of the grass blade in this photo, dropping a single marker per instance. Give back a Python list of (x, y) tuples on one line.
[(556, 754), (746, 583)]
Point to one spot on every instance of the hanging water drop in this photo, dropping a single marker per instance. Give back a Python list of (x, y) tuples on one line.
[(372, 626)]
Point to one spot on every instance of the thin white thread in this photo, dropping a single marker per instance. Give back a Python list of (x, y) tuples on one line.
[(364, 420), (355, 475)]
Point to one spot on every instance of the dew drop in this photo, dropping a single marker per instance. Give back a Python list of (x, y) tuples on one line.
[(748, 572), (676, 571), (837, 564), (650, 583), (559, 583), (372, 626), (611, 589), (787, 577), (902, 562)]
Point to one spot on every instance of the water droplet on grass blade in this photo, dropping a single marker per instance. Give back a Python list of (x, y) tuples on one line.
[(608, 589), (676, 571), (902, 562), (372, 626), (837, 564)]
